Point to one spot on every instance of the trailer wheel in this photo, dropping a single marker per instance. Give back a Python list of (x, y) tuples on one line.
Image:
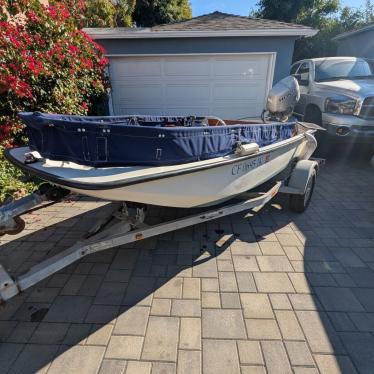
[(299, 203), (52, 192), (19, 226)]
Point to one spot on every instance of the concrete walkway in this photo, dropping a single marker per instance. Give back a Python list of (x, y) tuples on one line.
[(285, 294)]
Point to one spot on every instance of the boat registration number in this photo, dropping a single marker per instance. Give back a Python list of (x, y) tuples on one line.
[(253, 163)]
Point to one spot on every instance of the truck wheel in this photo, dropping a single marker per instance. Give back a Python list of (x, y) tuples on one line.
[(299, 203), (325, 145), (313, 115)]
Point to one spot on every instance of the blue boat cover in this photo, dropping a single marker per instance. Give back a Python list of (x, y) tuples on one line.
[(142, 140)]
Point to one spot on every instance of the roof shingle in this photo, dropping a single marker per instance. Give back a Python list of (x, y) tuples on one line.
[(209, 25), (348, 34), (223, 21)]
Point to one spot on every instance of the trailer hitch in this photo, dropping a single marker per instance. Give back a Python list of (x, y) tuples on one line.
[(11, 223)]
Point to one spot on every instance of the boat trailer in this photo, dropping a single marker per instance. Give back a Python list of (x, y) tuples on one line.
[(125, 224)]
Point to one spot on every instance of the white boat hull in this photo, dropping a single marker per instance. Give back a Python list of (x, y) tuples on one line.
[(195, 188)]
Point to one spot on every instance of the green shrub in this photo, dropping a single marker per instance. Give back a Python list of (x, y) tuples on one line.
[(12, 181), (47, 64)]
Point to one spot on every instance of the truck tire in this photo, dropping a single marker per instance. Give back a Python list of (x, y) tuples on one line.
[(314, 115), (299, 203)]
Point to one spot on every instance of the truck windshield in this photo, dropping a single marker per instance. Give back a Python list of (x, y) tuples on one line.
[(328, 70)]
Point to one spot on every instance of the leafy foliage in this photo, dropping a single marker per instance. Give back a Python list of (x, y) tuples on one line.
[(329, 25), (290, 10), (12, 181), (46, 64), (324, 15), (146, 13), (106, 13), (153, 12)]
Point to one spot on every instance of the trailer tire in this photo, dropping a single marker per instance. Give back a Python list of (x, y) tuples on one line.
[(20, 225), (299, 203), (52, 192)]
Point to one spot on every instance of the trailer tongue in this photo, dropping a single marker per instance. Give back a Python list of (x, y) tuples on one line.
[(120, 228), (125, 225)]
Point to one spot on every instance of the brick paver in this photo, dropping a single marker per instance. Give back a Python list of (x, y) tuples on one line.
[(273, 292)]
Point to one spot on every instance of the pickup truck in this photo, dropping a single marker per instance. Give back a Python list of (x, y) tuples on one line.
[(337, 93)]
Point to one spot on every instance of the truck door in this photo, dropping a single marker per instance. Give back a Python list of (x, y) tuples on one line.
[(303, 77)]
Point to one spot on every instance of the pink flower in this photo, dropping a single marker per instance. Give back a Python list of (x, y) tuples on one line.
[(32, 16), (52, 11), (103, 61), (73, 49)]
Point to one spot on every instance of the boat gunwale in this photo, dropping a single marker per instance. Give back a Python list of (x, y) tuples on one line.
[(148, 178)]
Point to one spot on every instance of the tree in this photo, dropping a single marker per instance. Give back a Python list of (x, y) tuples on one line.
[(292, 10), (46, 62), (325, 15), (109, 13), (154, 12), (113, 13), (322, 44), (369, 11)]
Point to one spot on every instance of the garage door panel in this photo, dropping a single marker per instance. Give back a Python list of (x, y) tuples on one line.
[(241, 69), (188, 111), (136, 68), (174, 111), (188, 68), (128, 110), (231, 86), (230, 91), (138, 93), (241, 111), (182, 93)]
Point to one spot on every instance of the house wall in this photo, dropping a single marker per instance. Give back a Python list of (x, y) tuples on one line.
[(358, 45), (283, 46)]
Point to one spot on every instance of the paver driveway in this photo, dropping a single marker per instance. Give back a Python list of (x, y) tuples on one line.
[(284, 293)]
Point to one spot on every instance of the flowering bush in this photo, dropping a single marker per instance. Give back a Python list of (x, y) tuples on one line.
[(46, 62), (12, 181)]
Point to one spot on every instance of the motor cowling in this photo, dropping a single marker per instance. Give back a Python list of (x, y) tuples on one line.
[(282, 99)]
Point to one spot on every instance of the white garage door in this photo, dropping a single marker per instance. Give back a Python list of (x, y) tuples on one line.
[(229, 86)]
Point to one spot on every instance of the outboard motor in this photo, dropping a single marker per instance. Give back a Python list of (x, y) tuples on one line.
[(281, 100)]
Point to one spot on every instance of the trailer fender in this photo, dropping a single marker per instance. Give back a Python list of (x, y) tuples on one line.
[(299, 178)]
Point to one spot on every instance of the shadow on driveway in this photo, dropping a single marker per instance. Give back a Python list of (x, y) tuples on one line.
[(330, 248)]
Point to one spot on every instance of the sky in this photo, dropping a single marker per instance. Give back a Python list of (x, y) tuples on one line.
[(241, 7)]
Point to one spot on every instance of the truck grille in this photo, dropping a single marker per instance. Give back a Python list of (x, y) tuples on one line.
[(367, 110)]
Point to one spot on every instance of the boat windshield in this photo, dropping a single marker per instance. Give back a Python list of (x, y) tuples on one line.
[(335, 69)]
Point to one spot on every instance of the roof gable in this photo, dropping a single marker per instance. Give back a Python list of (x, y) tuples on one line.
[(215, 24), (348, 34), (224, 21)]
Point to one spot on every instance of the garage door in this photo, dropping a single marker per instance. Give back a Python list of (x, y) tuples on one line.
[(228, 86)]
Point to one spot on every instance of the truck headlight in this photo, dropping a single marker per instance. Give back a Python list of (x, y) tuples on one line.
[(342, 105)]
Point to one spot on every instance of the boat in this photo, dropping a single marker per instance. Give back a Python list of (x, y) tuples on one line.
[(224, 158), (144, 140), (187, 185), (273, 156)]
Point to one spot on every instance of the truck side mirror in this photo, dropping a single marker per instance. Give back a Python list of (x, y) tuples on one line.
[(301, 79)]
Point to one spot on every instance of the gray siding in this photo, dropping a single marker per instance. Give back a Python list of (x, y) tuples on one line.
[(358, 45), (283, 46)]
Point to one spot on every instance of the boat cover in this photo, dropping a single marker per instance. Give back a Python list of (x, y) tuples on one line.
[(142, 140)]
